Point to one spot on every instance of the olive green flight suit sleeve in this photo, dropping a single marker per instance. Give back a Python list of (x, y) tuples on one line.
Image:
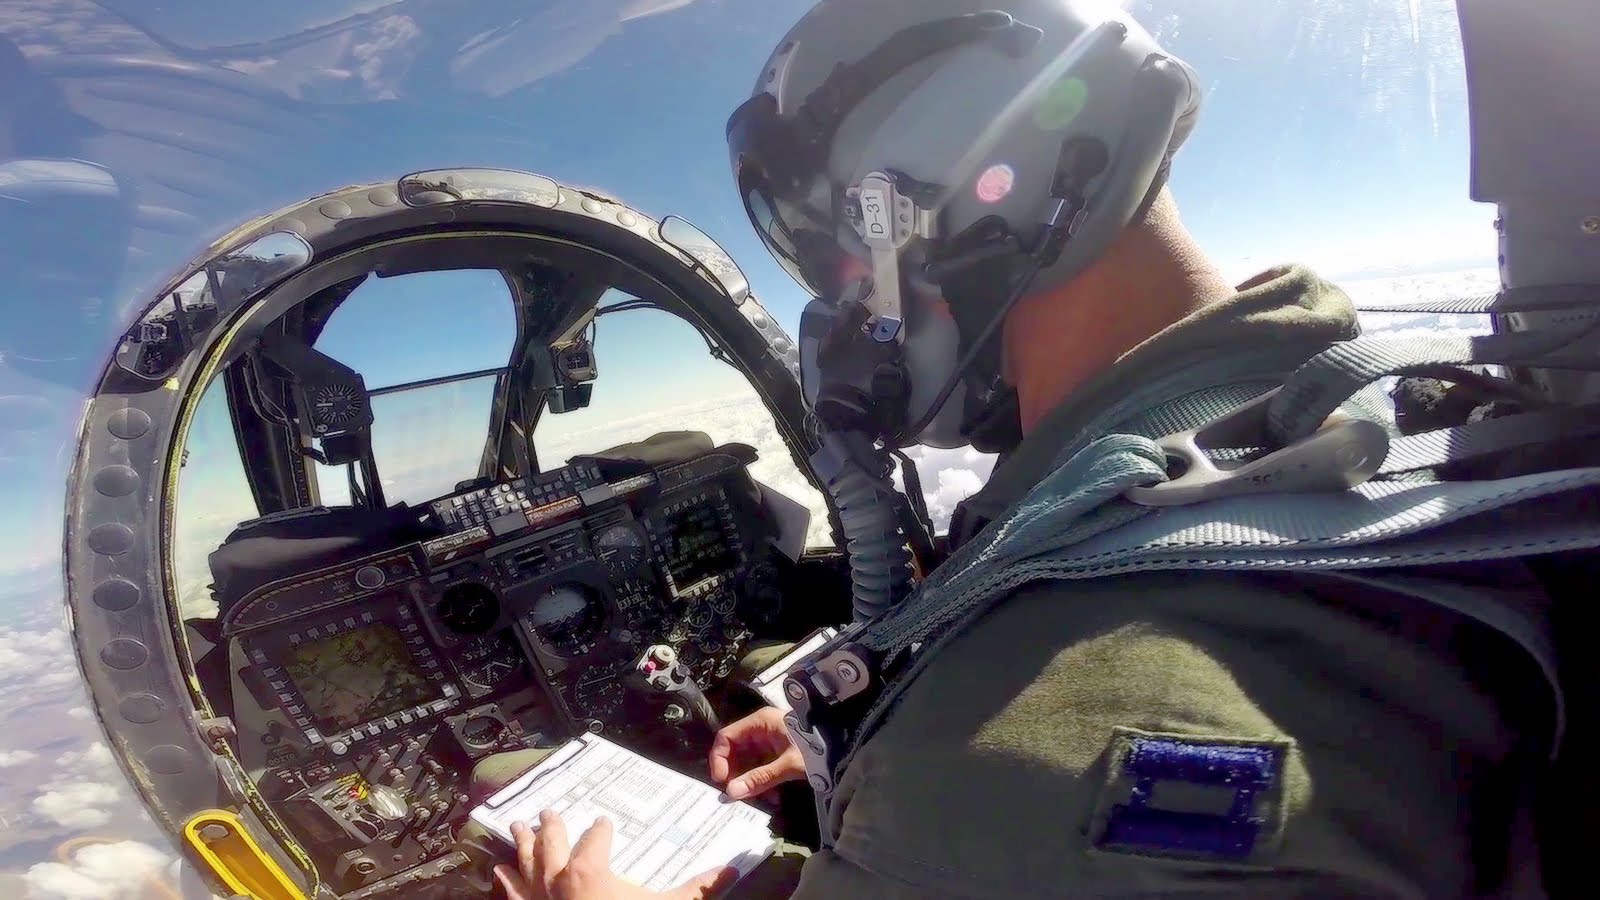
[(1004, 766)]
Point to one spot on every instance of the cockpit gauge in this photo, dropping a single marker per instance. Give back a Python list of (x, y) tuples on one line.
[(622, 547), (600, 698), (490, 660), (335, 406), (567, 618), (468, 607), (389, 803), (480, 732)]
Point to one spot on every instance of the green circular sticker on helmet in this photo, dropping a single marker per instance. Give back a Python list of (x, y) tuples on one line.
[(1061, 104)]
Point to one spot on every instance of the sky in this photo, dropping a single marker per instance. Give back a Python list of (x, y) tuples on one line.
[(1334, 133)]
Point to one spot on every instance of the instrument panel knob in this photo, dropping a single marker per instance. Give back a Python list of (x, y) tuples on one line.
[(370, 577)]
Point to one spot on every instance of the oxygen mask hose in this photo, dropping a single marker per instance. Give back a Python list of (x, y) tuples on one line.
[(856, 473)]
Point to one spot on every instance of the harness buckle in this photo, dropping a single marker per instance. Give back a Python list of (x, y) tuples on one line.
[(837, 672), (1344, 452)]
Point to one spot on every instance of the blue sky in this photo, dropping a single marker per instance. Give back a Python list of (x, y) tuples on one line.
[(1332, 134)]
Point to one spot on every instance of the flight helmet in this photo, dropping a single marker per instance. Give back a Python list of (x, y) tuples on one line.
[(919, 165)]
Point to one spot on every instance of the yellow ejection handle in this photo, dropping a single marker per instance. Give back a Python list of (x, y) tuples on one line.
[(236, 859)]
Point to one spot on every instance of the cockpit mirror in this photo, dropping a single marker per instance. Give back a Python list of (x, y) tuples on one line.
[(709, 254), (156, 344), (451, 185)]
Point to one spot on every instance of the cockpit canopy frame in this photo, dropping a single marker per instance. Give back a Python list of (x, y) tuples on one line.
[(125, 621)]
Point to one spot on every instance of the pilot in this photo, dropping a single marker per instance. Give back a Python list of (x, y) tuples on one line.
[(1293, 739)]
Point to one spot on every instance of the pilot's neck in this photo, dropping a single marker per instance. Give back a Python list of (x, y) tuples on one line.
[(1153, 275)]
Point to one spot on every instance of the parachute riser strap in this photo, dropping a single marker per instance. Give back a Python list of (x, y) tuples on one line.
[(1331, 377), (1548, 298)]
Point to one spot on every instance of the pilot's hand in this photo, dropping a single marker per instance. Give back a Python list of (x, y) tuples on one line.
[(755, 755), (548, 870)]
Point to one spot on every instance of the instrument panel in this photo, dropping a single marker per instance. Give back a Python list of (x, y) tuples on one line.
[(380, 681)]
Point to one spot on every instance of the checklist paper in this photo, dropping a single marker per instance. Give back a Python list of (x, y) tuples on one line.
[(667, 827)]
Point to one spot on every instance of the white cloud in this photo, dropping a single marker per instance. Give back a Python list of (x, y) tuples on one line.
[(1430, 286), (80, 713), (50, 27), (639, 9), (120, 870), (89, 791), (56, 677), (94, 759), (9, 758), (80, 804), (948, 477), (34, 657)]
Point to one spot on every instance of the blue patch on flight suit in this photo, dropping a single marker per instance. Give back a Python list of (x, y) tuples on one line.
[(1193, 797)]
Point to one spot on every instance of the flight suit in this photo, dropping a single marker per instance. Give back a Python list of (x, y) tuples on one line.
[(1187, 734)]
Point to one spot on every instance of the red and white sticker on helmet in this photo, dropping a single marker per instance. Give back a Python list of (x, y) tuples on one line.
[(996, 183)]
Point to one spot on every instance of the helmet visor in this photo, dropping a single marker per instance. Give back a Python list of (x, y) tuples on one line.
[(779, 189)]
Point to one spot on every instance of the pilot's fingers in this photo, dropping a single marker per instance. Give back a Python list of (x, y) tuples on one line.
[(706, 885), (513, 884), (762, 733), (591, 856), (721, 749), (525, 838), (789, 766), (550, 851)]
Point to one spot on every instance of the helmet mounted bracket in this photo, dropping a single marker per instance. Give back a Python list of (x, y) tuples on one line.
[(887, 221)]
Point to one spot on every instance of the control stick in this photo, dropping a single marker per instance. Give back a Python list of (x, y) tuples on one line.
[(678, 699)]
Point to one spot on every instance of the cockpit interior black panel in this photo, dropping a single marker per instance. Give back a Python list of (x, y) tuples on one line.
[(375, 655)]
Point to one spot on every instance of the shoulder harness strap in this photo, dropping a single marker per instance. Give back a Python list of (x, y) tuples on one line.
[(1243, 477)]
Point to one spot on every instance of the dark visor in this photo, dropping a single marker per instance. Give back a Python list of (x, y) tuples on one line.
[(777, 159), (774, 170)]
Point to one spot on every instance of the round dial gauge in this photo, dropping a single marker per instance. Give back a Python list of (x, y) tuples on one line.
[(482, 731), (468, 608), (490, 661), (386, 802), (334, 406), (567, 618), (622, 547)]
